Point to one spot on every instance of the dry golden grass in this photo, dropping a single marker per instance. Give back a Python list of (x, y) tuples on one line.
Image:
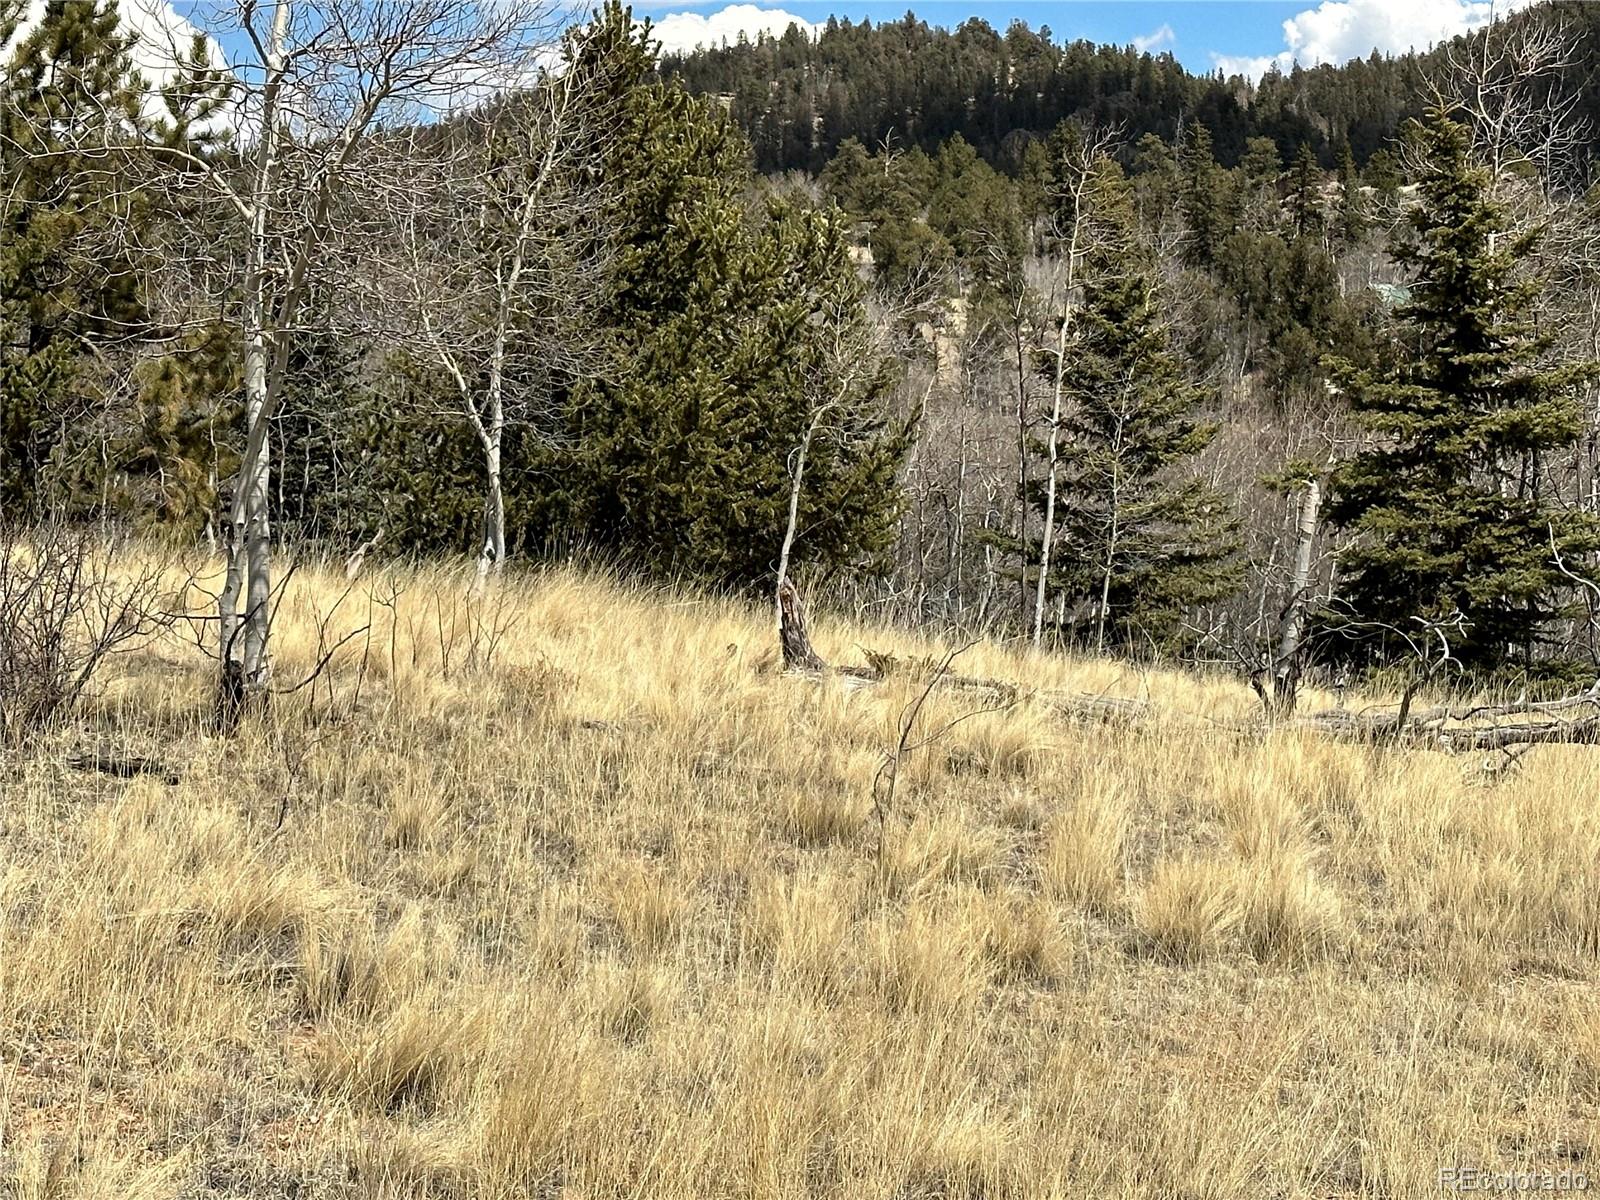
[(565, 892)]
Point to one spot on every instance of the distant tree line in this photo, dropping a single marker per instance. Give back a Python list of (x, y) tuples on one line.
[(911, 84)]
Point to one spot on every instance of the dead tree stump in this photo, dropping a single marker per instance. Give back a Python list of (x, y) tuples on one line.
[(794, 633)]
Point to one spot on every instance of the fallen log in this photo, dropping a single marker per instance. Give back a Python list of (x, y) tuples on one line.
[(1449, 727), (1583, 732), (124, 766), (1457, 729), (1072, 705), (801, 657)]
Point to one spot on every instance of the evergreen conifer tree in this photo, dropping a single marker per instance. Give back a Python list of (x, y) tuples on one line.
[(1305, 195), (161, 463), (1448, 499), (721, 314), (1205, 198), (1139, 544), (66, 83), (1353, 218)]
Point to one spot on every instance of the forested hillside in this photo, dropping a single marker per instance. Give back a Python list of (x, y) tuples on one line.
[(981, 332), (1164, 308), (799, 99)]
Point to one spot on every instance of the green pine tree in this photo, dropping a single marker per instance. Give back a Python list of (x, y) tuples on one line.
[(722, 313), (976, 210), (1449, 501), (1205, 198), (1139, 543), (1155, 180), (1305, 195), (65, 87), (884, 195), (1354, 220), (162, 467)]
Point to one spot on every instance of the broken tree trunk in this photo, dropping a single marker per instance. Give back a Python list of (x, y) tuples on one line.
[(794, 633), (1278, 682)]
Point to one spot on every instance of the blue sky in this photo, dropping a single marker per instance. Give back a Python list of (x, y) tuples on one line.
[(1237, 36), (1198, 28)]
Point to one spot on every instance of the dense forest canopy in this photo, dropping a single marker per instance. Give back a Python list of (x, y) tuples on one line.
[(798, 98)]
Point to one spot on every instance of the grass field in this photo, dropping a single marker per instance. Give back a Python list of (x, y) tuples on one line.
[(568, 892)]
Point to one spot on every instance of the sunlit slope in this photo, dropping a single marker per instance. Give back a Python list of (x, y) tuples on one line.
[(565, 890)]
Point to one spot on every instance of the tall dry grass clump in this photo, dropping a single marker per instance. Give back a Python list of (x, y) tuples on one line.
[(1083, 860), (560, 889), (1189, 908)]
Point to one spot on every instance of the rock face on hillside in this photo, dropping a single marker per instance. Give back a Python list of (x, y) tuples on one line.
[(943, 333)]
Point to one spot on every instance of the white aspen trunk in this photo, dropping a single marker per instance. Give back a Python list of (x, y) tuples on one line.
[(1105, 588), (1022, 461), (1593, 496), (1283, 667), (258, 567), (493, 553), (492, 557), (961, 523), (1594, 472), (248, 538), (1054, 452), (228, 649), (790, 526), (211, 482), (1054, 457)]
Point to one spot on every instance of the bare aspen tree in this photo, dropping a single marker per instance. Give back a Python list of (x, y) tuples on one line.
[(501, 264), (1071, 232), (853, 354), (312, 84), (1509, 82)]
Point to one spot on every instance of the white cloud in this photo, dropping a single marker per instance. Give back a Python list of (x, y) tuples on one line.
[(1250, 66), (681, 31), (1338, 30), (162, 39), (1158, 39)]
